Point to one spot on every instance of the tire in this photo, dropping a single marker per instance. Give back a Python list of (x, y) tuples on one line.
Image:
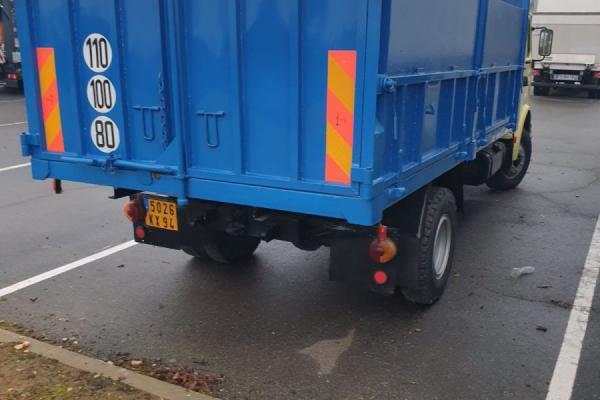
[(228, 249), (512, 174), (541, 91), (436, 247), (196, 251)]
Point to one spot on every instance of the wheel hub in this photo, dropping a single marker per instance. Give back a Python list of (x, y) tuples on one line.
[(516, 167), (442, 245)]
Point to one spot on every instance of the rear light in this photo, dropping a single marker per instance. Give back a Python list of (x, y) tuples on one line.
[(536, 72), (380, 277), (382, 249), (57, 186), (596, 75), (13, 77), (140, 232), (134, 211)]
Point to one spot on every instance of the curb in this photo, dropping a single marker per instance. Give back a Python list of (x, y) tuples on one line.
[(141, 382)]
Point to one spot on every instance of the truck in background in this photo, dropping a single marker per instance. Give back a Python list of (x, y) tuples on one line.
[(11, 72), (575, 60)]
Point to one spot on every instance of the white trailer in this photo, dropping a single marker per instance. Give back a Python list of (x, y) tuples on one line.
[(575, 59)]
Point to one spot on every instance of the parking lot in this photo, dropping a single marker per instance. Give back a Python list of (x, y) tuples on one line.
[(277, 328)]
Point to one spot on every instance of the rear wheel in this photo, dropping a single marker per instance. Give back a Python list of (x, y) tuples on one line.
[(541, 91), (222, 247), (436, 247), (227, 249), (513, 172), (196, 251)]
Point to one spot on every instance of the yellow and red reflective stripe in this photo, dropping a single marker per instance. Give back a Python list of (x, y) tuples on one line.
[(341, 90), (50, 104)]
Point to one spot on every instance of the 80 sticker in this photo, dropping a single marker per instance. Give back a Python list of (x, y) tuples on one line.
[(105, 134), (101, 94)]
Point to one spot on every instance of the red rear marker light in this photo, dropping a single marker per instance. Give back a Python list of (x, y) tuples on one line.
[(134, 211), (597, 75), (382, 249), (380, 277), (12, 76), (536, 72), (140, 232)]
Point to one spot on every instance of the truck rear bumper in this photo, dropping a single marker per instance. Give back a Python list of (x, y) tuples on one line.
[(10, 83), (354, 209), (565, 85)]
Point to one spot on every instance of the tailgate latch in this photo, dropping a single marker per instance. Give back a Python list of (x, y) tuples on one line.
[(212, 135)]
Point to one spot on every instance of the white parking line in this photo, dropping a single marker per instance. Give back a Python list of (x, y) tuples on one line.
[(65, 268), (14, 167), (11, 101), (565, 371), (13, 124)]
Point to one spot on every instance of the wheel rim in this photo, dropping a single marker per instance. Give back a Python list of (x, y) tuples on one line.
[(441, 246), (516, 167)]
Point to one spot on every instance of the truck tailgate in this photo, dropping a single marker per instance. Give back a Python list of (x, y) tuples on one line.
[(157, 87)]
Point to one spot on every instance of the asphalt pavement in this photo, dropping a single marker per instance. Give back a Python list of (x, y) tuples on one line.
[(276, 328)]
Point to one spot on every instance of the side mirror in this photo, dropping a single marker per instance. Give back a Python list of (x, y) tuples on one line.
[(546, 39)]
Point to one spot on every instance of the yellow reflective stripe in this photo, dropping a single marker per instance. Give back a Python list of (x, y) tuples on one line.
[(47, 74), (341, 85), (52, 124), (339, 150)]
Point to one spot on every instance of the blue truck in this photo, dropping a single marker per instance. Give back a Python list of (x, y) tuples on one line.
[(352, 125)]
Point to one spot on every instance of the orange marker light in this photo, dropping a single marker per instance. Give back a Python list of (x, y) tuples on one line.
[(383, 249), (133, 212)]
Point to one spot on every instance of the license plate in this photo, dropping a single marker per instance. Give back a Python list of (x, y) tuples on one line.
[(161, 214), (565, 77)]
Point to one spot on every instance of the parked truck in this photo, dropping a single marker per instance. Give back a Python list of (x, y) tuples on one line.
[(575, 61), (353, 126), (11, 73)]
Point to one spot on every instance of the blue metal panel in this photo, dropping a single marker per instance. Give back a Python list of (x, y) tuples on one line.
[(226, 100)]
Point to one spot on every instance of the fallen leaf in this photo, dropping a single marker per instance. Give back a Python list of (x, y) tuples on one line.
[(22, 345), (562, 304), (136, 363), (541, 328)]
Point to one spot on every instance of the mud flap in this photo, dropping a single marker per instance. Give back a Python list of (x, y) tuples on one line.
[(350, 261)]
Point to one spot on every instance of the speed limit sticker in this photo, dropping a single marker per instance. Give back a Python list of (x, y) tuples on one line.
[(105, 134), (97, 52), (101, 94)]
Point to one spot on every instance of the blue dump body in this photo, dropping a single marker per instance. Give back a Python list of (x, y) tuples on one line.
[(323, 107)]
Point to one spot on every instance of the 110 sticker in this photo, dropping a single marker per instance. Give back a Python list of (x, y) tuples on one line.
[(97, 52), (101, 93)]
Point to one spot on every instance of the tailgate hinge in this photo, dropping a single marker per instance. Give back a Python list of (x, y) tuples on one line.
[(28, 142), (386, 84), (362, 175)]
